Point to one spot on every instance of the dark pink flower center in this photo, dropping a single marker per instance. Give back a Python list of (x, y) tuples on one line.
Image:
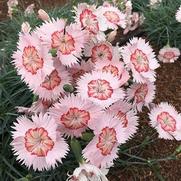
[(111, 69), (37, 142), (89, 21), (63, 42), (168, 123), (75, 118), (51, 81), (31, 60), (101, 52), (140, 61), (107, 140), (100, 89)]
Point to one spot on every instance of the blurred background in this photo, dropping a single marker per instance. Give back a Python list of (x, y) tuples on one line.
[(24, 3)]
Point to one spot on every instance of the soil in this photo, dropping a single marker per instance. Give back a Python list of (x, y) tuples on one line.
[(168, 88)]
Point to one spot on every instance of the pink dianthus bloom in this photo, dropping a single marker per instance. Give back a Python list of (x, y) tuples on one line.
[(166, 120), (168, 54), (123, 111), (37, 143), (109, 134), (32, 60), (141, 94), (86, 17), (51, 87), (100, 87), (73, 115), (68, 40), (110, 17), (140, 58)]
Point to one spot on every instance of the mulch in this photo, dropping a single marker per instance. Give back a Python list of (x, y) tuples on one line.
[(168, 89)]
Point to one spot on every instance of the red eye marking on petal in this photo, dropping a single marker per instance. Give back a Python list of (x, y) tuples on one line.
[(37, 142), (168, 123), (141, 93), (140, 61), (100, 89), (107, 140), (112, 17), (101, 52), (51, 81), (75, 118), (63, 42), (123, 118), (31, 60)]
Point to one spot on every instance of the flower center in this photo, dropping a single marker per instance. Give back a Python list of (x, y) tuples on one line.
[(111, 69), (101, 52), (140, 61), (141, 93), (168, 123), (107, 140), (63, 42), (89, 21), (169, 55), (51, 81), (31, 60), (100, 89), (37, 142), (112, 17), (75, 118), (123, 118)]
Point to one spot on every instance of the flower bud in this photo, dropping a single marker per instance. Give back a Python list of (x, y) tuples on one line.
[(43, 15), (25, 27)]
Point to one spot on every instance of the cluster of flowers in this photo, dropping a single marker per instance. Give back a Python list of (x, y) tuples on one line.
[(84, 83)]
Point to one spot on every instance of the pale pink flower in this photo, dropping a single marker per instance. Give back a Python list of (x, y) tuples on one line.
[(168, 54), (37, 143), (52, 85), (101, 51), (140, 58), (123, 111), (39, 106), (115, 67), (43, 15), (78, 70), (167, 121), (141, 94), (109, 134), (29, 10), (178, 15), (100, 87), (73, 115), (110, 17), (25, 27), (85, 15), (67, 40), (87, 172), (133, 22), (32, 60)]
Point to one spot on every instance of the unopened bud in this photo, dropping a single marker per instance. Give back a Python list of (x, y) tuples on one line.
[(68, 88), (43, 15), (25, 27), (53, 52)]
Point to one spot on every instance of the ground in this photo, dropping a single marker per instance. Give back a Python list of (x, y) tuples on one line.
[(168, 88)]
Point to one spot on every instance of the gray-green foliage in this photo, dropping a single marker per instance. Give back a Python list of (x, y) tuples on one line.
[(160, 24)]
